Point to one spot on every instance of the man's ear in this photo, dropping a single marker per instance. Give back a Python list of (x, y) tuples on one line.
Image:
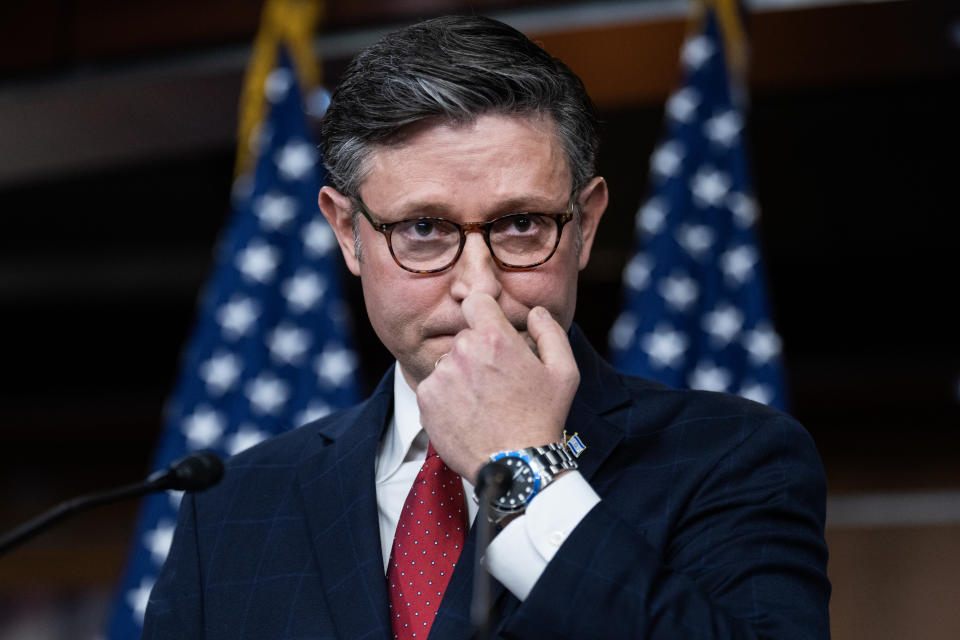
[(593, 202), (338, 211)]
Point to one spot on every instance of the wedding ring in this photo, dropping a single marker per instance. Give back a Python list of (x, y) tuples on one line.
[(437, 363)]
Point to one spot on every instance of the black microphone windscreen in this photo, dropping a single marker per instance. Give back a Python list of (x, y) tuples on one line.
[(196, 472)]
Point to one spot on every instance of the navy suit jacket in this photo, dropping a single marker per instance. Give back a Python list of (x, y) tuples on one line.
[(710, 526)]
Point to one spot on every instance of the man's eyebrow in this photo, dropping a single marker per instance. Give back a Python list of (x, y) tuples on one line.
[(418, 208), (531, 204), (520, 204)]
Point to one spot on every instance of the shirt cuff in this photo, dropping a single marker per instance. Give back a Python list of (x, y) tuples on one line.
[(520, 553)]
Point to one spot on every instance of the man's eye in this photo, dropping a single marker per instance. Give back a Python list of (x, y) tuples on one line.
[(423, 228), (522, 223)]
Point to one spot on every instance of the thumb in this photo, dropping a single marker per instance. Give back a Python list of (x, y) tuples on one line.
[(552, 343)]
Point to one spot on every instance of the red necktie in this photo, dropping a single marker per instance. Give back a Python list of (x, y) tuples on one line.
[(429, 538)]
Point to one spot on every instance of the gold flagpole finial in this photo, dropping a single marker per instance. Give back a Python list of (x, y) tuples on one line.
[(288, 23)]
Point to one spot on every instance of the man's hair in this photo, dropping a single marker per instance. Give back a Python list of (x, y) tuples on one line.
[(452, 69)]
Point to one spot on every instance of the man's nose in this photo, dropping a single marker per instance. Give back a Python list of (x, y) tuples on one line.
[(475, 271)]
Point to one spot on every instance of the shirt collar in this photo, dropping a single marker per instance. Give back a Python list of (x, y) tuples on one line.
[(405, 439)]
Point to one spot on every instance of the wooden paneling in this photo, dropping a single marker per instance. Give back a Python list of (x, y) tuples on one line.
[(621, 65), (894, 583), (820, 47)]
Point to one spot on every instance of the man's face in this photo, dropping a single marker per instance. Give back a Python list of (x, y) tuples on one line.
[(466, 173)]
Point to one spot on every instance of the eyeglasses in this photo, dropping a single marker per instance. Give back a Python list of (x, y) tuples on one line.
[(431, 245)]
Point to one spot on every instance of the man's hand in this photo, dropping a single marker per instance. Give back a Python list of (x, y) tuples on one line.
[(492, 392)]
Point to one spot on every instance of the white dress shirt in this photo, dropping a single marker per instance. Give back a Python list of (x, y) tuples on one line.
[(520, 553)]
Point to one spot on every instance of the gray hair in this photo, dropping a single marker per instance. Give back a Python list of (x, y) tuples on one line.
[(454, 69)]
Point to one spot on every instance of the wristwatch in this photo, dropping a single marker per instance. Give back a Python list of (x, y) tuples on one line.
[(532, 469)]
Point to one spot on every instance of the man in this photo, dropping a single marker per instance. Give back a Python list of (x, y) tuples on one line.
[(463, 194)]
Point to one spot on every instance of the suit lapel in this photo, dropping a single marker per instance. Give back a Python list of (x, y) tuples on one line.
[(338, 485), (600, 393)]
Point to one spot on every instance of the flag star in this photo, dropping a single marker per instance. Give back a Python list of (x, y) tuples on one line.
[(288, 343), (237, 316), (682, 105), (762, 393), (318, 238), (709, 377), (278, 84), (158, 540), (220, 372), (723, 324), (709, 186), (138, 598), (664, 346), (667, 158), (696, 51), (258, 261), (315, 410), (724, 128), (636, 275), (696, 239), (295, 159), (652, 216), (275, 210), (679, 291), (304, 290), (244, 438), (737, 263), (203, 428), (335, 364), (762, 343), (744, 208), (623, 332), (267, 393)]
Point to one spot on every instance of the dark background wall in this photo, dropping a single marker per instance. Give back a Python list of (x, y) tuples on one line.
[(110, 207)]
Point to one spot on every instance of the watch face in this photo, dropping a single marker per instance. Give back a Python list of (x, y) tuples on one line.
[(523, 487)]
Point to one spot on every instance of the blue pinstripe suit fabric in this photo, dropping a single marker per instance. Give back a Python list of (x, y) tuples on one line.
[(710, 526)]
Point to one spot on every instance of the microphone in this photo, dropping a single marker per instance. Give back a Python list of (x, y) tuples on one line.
[(195, 472), (495, 477), (493, 481)]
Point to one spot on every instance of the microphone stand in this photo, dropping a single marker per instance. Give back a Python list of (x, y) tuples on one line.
[(195, 472), (493, 481)]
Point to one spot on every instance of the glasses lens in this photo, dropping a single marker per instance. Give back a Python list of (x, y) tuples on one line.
[(523, 239), (423, 244)]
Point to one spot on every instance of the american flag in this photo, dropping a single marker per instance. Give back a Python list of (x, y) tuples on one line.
[(271, 348), (695, 310)]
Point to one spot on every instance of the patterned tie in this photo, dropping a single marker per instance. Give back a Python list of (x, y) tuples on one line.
[(429, 538)]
